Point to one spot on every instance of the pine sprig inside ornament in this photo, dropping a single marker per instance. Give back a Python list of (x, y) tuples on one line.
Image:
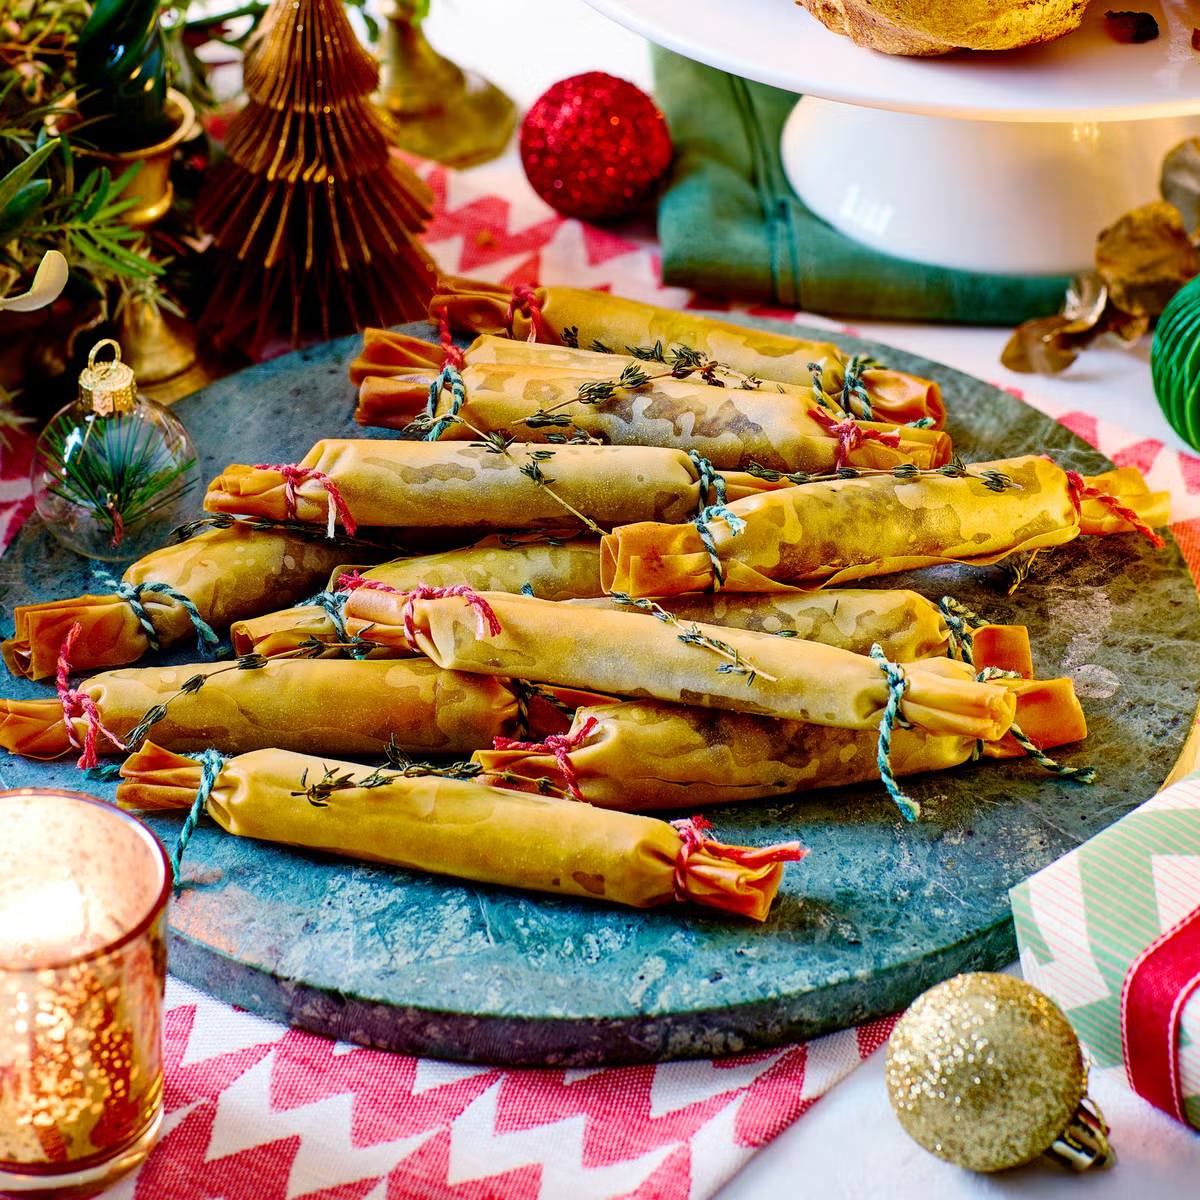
[(595, 147)]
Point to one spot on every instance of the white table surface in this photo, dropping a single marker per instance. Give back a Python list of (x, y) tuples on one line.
[(849, 1146)]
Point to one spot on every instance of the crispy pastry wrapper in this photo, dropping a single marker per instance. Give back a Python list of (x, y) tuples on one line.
[(1127, 485), (850, 529), (572, 316), (556, 568), (621, 654), (325, 706), (396, 484), (465, 830), (227, 573), (906, 626), (642, 755), (732, 427)]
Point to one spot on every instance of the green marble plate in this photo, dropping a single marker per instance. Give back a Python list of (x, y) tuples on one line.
[(878, 911)]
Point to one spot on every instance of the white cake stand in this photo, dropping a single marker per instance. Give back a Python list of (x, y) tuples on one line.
[(1007, 162)]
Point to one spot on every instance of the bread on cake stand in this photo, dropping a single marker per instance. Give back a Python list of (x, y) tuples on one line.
[(1006, 161)]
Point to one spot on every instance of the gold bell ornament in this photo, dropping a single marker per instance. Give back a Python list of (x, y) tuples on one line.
[(985, 1072), (112, 468)]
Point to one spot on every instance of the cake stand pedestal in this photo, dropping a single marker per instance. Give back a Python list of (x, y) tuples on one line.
[(999, 162)]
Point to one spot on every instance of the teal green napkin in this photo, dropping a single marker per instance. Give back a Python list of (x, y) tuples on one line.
[(731, 225)]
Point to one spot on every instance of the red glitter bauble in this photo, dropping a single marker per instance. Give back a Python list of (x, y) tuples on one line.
[(595, 146)]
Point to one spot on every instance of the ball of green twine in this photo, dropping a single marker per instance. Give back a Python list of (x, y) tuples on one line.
[(1175, 362)]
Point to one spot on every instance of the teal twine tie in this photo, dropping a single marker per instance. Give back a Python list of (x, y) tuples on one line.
[(450, 378), (334, 604), (1043, 760), (212, 762), (897, 683), (961, 624), (736, 525), (854, 389), (712, 482), (132, 594)]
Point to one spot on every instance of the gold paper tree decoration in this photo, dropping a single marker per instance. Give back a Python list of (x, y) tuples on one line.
[(313, 217)]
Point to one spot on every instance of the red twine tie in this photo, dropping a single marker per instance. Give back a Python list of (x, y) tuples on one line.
[(850, 435), (691, 832), (1080, 491), (337, 508), (487, 623), (452, 356), (79, 704), (1156, 989), (526, 300), (560, 745)]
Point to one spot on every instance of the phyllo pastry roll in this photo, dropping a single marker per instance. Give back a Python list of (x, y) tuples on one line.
[(424, 485), (641, 755), (623, 654), (462, 829), (191, 590), (623, 402), (598, 320), (846, 529), (905, 625), (325, 706), (551, 567)]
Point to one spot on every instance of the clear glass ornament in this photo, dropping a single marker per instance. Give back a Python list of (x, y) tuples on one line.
[(112, 470)]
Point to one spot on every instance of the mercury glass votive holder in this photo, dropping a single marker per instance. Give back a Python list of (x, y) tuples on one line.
[(83, 900)]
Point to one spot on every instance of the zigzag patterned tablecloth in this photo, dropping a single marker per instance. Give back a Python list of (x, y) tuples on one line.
[(258, 1112)]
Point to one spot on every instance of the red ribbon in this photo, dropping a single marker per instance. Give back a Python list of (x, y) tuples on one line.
[(525, 299), (292, 475), (487, 623), (1157, 986), (79, 704), (560, 745), (452, 356), (1080, 490), (850, 435), (691, 832)]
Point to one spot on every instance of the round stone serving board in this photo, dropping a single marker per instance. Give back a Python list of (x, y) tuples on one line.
[(879, 911)]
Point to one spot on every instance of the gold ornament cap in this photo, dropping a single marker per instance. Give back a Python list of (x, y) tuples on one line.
[(985, 1071), (110, 386)]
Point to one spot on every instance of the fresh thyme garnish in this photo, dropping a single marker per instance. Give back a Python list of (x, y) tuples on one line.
[(993, 480), (498, 442), (735, 663), (319, 792), (1018, 569), (311, 647), (183, 533)]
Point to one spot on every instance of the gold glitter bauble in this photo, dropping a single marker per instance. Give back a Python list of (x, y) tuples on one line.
[(984, 1071)]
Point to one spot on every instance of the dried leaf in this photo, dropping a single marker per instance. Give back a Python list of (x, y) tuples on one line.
[(1085, 301), (1180, 182), (1145, 257), (1043, 346), (1125, 327)]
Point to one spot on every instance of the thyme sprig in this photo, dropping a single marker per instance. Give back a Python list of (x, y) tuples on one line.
[(735, 663), (499, 443), (1018, 569), (993, 480), (319, 792), (313, 533), (311, 647)]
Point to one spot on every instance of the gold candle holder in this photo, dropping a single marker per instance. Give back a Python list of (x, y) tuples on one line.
[(83, 901), (438, 110)]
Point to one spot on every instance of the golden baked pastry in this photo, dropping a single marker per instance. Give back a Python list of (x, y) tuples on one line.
[(926, 27)]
